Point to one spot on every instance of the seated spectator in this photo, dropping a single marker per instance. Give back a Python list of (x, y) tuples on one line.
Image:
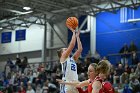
[(119, 89), (135, 84), (127, 88), (117, 74), (137, 71), (127, 68), (134, 58), (9, 89), (132, 74), (30, 89), (22, 90), (39, 89), (45, 88), (125, 76)]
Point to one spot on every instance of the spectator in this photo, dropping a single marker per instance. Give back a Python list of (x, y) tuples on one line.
[(96, 57), (135, 84), (106, 59), (132, 74), (134, 58), (127, 68), (7, 71), (45, 88), (30, 89), (132, 47), (125, 76), (18, 64), (137, 72), (87, 63), (24, 64), (111, 74), (22, 90), (9, 89), (79, 67), (117, 74), (58, 73), (124, 49), (10, 64), (124, 56), (38, 89), (127, 88)]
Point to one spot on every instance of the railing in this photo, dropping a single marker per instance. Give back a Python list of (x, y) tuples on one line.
[(116, 57)]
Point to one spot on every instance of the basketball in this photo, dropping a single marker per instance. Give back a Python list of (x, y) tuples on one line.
[(72, 22)]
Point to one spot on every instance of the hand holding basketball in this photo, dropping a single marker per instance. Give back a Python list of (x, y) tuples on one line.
[(72, 23), (71, 28)]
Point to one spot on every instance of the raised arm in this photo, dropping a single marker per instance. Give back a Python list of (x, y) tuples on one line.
[(70, 47), (80, 48)]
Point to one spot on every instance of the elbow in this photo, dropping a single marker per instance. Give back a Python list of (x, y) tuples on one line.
[(79, 50)]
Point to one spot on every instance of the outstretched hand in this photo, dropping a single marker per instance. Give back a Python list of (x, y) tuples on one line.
[(60, 81), (71, 28)]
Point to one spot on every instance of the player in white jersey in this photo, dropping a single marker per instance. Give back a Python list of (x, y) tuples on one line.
[(69, 67)]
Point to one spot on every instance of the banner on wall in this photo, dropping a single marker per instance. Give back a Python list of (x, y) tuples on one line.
[(20, 35), (6, 37)]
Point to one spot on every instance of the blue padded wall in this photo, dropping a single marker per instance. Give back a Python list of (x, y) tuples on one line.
[(85, 37), (111, 34)]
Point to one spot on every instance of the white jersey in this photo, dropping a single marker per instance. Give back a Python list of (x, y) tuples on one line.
[(69, 70)]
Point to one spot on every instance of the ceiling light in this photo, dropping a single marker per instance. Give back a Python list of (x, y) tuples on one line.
[(23, 24), (26, 8), (1, 28)]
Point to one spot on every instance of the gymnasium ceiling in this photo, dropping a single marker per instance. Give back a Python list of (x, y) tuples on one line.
[(13, 15)]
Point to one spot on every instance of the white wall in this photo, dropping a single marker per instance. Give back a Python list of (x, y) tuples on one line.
[(33, 42), (63, 32)]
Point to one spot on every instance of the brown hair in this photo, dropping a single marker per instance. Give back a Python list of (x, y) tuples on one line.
[(59, 52), (103, 67)]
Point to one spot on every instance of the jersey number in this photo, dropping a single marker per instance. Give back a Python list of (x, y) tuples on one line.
[(73, 67)]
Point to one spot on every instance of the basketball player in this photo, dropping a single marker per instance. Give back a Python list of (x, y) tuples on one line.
[(69, 67), (98, 86), (91, 75), (92, 72)]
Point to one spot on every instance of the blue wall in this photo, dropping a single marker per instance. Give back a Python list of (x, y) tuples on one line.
[(111, 34), (85, 40), (85, 37)]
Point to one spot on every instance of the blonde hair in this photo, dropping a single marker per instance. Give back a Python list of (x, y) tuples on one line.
[(59, 52), (103, 67), (94, 65)]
